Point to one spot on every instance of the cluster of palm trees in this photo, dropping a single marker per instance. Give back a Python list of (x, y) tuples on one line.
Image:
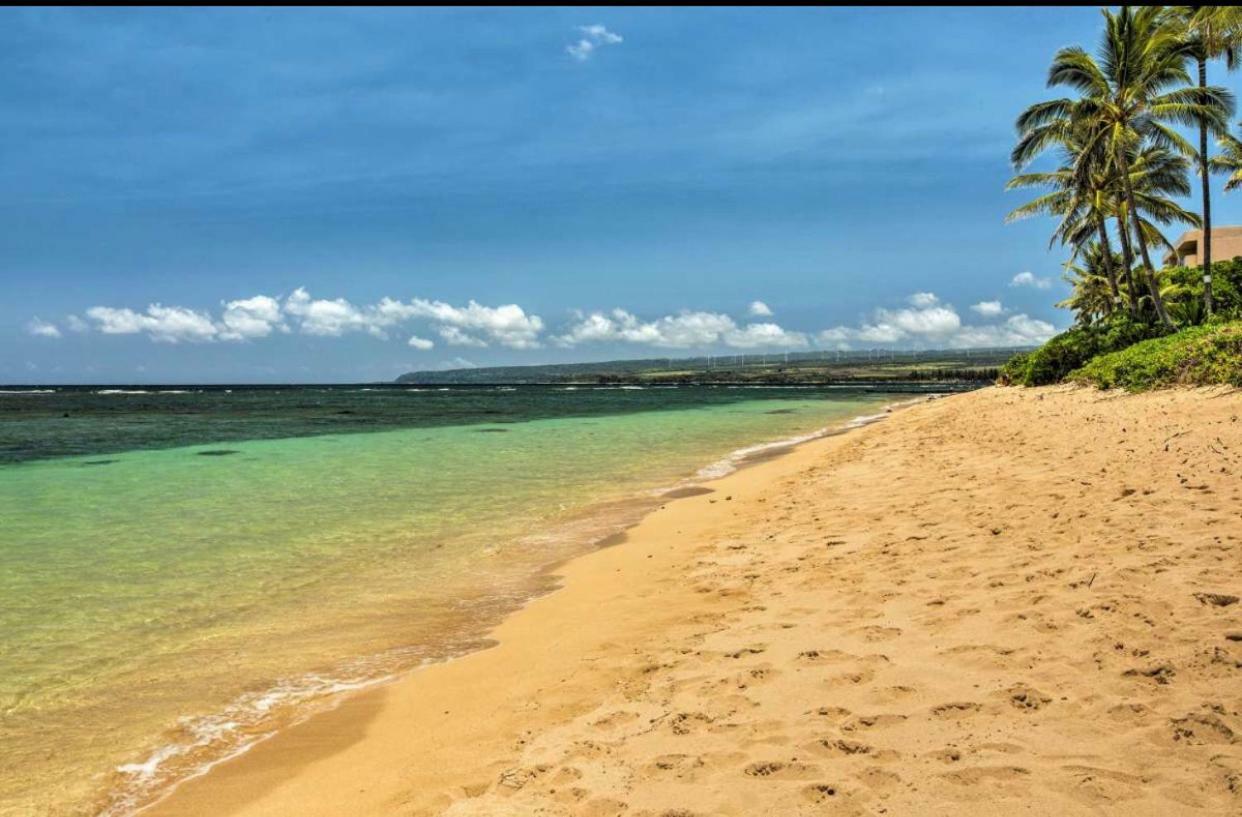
[(1122, 159)]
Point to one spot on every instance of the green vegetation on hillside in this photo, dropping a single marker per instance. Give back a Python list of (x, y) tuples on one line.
[(1201, 355), (967, 367), (1175, 356), (1121, 166)]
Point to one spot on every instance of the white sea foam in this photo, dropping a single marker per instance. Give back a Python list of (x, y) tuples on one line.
[(730, 462), (27, 391), (122, 391), (209, 740)]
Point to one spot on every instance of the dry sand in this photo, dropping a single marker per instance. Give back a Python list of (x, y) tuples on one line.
[(1007, 602)]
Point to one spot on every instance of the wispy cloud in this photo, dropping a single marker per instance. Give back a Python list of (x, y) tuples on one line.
[(42, 329), (759, 309), (988, 309), (593, 38), (1030, 279)]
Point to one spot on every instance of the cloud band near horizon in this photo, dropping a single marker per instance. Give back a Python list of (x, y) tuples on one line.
[(924, 321)]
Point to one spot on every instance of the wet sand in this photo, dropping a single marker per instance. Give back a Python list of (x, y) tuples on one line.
[(1004, 602)]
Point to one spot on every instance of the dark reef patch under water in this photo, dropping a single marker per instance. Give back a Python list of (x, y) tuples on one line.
[(84, 420)]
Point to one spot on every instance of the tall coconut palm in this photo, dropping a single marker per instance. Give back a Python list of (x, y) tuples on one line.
[(1132, 96), (1215, 32), (1084, 203)]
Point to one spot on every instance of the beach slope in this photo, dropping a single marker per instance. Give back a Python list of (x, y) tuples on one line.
[(1005, 602)]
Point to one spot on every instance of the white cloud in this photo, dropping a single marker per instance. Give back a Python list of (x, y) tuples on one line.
[(601, 35), (42, 329), (927, 322), (1029, 279), (261, 315), (764, 336), (455, 337), (934, 323), (593, 37), (330, 318), (931, 320), (989, 309), (163, 324), (1018, 330), (880, 333), (508, 325), (248, 318), (76, 324), (687, 329)]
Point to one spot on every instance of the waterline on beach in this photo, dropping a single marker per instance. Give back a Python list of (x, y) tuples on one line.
[(321, 564)]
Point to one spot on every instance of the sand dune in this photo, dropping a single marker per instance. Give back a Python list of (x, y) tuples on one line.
[(1007, 602)]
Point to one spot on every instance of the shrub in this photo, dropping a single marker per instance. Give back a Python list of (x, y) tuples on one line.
[(1202, 355), (1013, 373), (1072, 348), (1182, 288)]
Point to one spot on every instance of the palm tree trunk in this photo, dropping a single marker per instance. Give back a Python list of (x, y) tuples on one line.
[(1149, 273), (1207, 200), (1127, 258), (1108, 263)]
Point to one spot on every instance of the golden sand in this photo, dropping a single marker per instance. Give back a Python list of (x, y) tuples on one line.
[(1006, 602)]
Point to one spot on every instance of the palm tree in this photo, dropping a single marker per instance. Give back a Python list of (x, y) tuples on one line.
[(1085, 202), (1214, 31), (1075, 199), (1229, 161), (1130, 98), (1094, 285)]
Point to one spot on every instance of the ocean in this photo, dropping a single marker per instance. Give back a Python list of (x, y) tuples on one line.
[(184, 570)]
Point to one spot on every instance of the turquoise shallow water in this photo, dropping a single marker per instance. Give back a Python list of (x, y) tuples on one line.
[(163, 606)]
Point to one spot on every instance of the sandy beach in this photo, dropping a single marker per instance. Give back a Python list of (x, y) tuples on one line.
[(1005, 602)]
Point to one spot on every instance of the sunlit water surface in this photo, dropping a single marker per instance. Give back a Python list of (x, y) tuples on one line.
[(177, 579)]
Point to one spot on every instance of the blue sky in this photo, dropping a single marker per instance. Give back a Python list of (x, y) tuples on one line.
[(278, 195)]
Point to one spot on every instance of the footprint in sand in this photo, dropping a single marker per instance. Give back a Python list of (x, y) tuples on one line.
[(821, 792), (686, 723), (841, 746), (1200, 728), (779, 769), (977, 775), (872, 722), (1027, 698), (874, 632), (949, 754), (956, 709)]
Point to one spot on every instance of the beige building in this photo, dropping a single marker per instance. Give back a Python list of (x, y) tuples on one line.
[(1226, 243)]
